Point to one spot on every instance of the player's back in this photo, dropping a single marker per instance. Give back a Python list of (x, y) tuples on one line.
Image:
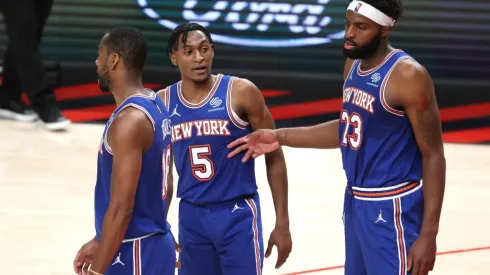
[(200, 135), (377, 141), (150, 206)]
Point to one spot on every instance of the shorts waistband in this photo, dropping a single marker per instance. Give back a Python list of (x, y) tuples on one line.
[(384, 193), (140, 238), (221, 203)]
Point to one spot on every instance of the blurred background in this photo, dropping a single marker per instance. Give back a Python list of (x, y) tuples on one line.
[(292, 50)]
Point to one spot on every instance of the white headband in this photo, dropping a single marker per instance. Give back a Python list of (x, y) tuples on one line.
[(371, 12)]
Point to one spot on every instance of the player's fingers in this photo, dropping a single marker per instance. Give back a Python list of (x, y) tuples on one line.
[(248, 155), (85, 268), (268, 251), (255, 155), (78, 263), (177, 247), (410, 261), (282, 256), (178, 265), (238, 150), (432, 264), (237, 142), (423, 267), (416, 268)]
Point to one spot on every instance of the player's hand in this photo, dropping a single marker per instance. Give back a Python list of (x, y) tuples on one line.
[(259, 142), (85, 256), (422, 255), (281, 238), (178, 265)]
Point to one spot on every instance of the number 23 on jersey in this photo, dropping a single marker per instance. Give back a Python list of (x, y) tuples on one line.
[(353, 124)]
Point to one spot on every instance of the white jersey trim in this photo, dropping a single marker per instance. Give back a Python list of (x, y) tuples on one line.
[(382, 90), (235, 119), (368, 72), (141, 108), (203, 102)]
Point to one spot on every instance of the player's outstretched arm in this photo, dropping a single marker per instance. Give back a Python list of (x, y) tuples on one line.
[(321, 136), (262, 141), (418, 99), (252, 104), (130, 135)]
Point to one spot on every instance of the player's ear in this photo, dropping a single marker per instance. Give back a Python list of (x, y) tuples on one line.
[(385, 31), (113, 60), (173, 59)]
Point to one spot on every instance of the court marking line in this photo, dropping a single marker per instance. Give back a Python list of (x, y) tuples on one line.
[(458, 251)]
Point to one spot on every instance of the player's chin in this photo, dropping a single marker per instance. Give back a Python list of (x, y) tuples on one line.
[(352, 53), (199, 76)]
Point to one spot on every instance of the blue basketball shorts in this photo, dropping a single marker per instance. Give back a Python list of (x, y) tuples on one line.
[(150, 255), (381, 225), (221, 239)]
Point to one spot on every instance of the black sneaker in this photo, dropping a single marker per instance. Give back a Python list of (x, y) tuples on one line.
[(17, 110), (52, 119)]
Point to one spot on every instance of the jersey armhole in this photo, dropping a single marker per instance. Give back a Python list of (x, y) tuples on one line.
[(166, 98), (353, 66), (382, 90), (235, 119), (134, 105)]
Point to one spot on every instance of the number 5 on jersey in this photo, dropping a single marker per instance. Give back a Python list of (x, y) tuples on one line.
[(355, 120), (202, 166)]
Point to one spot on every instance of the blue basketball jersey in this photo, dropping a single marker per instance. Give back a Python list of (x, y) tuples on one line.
[(377, 141), (150, 206), (200, 134)]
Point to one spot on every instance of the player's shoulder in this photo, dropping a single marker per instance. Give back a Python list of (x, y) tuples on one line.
[(409, 71), (409, 68), (243, 85), (164, 95), (132, 119), (411, 81), (162, 92)]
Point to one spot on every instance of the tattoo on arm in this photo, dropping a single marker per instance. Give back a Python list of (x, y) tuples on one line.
[(429, 127)]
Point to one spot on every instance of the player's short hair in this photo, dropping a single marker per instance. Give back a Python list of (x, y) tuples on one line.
[(392, 8), (184, 29), (130, 44)]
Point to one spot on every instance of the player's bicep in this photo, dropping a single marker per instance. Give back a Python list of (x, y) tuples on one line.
[(421, 108), (128, 137), (258, 114)]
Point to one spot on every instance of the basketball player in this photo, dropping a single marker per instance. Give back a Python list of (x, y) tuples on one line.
[(220, 228), (132, 234), (389, 133)]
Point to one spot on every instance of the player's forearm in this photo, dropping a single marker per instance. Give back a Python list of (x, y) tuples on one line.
[(434, 179), (114, 228), (322, 136), (277, 177)]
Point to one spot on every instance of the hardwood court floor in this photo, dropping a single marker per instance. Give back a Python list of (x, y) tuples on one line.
[(46, 204)]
